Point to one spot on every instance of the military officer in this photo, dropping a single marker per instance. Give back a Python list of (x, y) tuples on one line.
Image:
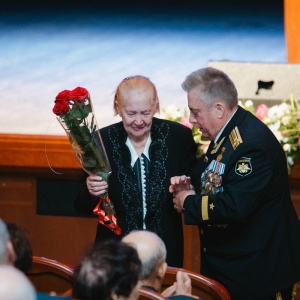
[(240, 200)]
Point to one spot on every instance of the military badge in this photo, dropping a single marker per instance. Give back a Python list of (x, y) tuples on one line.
[(217, 146), (211, 178), (243, 166)]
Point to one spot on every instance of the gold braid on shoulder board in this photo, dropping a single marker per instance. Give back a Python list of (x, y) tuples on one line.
[(235, 138)]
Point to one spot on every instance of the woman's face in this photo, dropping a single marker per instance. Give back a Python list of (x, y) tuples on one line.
[(137, 109)]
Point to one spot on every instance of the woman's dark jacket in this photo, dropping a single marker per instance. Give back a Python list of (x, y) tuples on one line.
[(172, 152)]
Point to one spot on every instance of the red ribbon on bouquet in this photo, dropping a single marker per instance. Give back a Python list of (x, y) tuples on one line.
[(108, 220)]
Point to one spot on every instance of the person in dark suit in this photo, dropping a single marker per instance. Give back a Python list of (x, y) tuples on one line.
[(144, 153), (152, 253), (249, 229)]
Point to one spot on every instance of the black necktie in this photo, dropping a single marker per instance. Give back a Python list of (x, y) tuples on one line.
[(138, 171)]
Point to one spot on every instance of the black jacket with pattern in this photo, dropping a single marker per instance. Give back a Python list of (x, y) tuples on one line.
[(172, 152)]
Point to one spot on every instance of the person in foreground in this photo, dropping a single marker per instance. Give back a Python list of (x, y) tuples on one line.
[(108, 271), (144, 153), (7, 252), (152, 253), (14, 285), (16, 254), (249, 229)]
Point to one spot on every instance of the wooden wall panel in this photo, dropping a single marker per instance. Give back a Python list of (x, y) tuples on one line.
[(22, 160), (191, 248), (60, 238), (37, 151)]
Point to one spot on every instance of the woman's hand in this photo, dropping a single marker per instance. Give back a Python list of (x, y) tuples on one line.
[(180, 183), (96, 185)]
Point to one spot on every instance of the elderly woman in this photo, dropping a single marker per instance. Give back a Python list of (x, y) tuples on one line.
[(144, 153)]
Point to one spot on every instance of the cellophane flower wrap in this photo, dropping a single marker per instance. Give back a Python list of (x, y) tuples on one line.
[(75, 113)]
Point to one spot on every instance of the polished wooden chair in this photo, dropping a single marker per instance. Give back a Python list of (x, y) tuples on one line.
[(50, 276), (202, 286), (146, 294)]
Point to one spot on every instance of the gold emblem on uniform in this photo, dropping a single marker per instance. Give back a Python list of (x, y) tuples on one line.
[(243, 166), (235, 138), (217, 146), (219, 157)]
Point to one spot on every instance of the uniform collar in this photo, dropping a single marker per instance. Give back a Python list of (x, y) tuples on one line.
[(221, 131)]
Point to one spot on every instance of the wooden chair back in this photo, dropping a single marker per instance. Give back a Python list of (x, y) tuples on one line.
[(146, 294), (202, 286), (51, 276)]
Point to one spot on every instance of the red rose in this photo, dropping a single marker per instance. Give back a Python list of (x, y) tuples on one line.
[(78, 94), (63, 96), (61, 107)]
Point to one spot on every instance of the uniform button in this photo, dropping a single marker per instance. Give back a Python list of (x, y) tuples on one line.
[(204, 249), (201, 231)]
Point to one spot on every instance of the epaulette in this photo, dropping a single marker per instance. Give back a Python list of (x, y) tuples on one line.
[(235, 138)]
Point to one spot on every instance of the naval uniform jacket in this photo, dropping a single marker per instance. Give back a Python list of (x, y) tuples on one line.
[(172, 152), (249, 230)]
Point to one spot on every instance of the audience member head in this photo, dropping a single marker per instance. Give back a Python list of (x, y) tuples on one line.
[(108, 271), (7, 253), (21, 245), (152, 253), (14, 285)]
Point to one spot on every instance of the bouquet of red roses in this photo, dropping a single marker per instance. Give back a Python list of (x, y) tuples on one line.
[(75, 114)]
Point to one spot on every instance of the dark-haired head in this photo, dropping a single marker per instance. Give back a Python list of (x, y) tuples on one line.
[(109, 270), (21, 245)]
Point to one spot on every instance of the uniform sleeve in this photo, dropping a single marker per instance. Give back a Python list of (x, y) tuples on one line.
[(245, 183)]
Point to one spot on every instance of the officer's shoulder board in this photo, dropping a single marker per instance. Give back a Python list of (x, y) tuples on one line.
[(235, 138)]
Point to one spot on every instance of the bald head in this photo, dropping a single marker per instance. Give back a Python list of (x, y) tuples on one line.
[(15, 285), (151, 250)]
